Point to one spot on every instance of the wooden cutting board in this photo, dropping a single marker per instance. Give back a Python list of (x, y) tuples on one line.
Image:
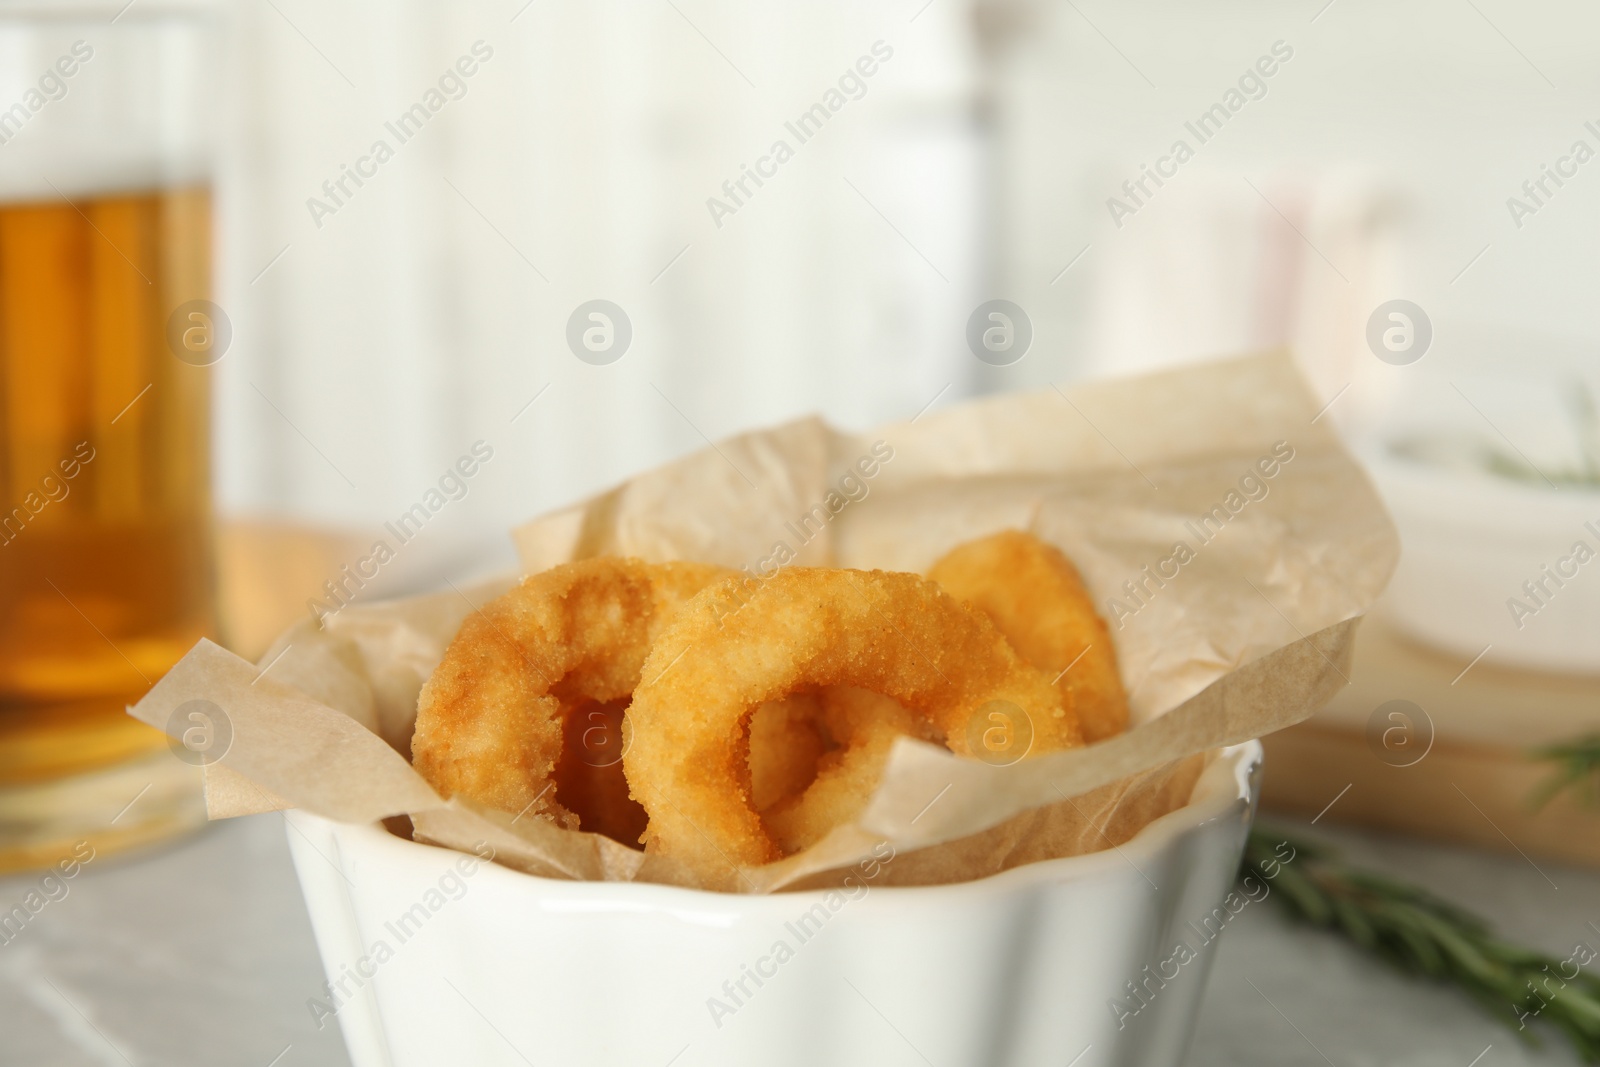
[(267, 571), (1472, 783)]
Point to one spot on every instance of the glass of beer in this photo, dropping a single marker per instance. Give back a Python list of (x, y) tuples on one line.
[(107, 334)]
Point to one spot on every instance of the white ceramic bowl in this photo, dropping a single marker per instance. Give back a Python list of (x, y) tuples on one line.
[(1472, 547), (498, 967)]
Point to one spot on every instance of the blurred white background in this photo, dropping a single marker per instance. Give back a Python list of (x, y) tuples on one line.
[(425, 314), (428, 312)]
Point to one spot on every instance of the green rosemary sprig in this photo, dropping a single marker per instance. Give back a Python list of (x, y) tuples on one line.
[(1424, 935), (1577, 767)]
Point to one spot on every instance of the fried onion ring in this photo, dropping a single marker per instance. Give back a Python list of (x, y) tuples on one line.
[(862, 726), (1036, 598), (806, 628), (787, 741), (490, 720)]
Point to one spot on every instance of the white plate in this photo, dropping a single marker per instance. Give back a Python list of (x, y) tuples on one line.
[(1023, 968)]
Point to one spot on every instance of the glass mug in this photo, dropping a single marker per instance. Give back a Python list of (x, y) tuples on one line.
[(106, 337)]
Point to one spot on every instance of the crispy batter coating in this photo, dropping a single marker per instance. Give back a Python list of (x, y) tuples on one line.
[(898, 635), (861, 727), (787, 739), (490, 719), (1035, 597)]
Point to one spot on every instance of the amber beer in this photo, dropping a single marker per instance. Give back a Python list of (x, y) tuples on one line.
[(105, 544)]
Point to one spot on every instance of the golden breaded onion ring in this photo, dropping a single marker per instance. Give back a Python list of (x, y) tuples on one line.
[(490, 719), (1035, 597), (898, 635), (863, 726), (787, 742)]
